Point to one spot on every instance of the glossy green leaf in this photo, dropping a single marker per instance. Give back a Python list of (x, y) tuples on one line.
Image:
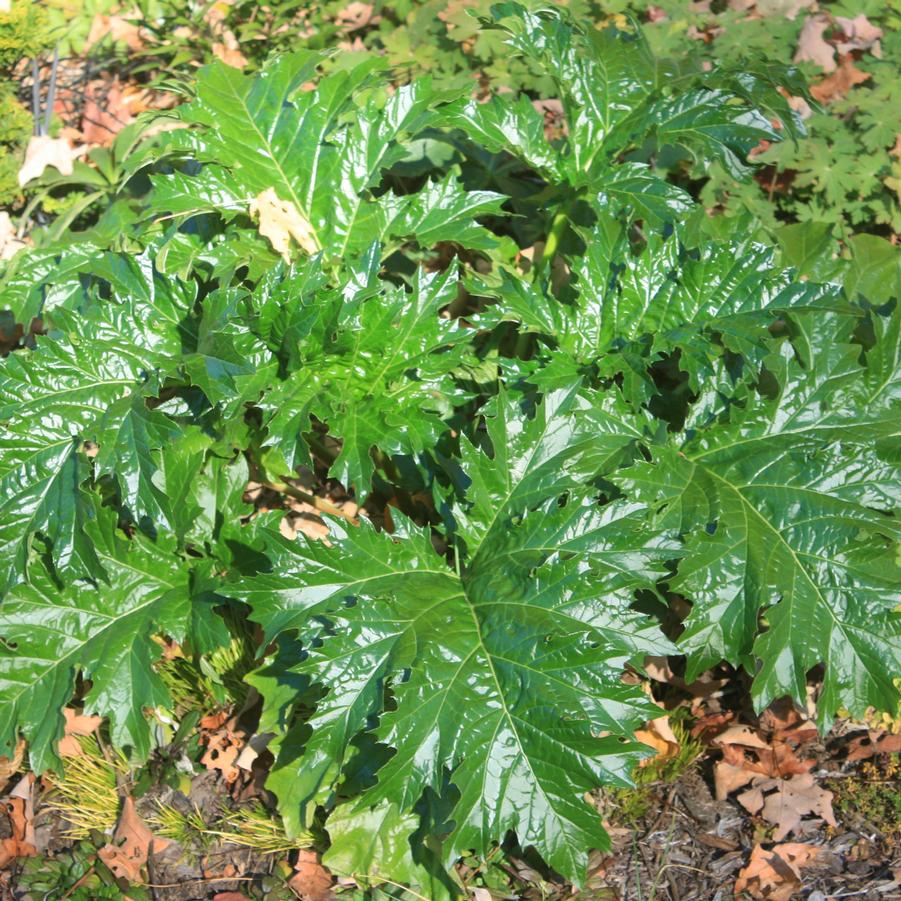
[(102, 628), (788, 505), (477, 656)]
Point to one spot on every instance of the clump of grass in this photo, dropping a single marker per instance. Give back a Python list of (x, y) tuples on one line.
[(188, 829), (250, 827), (87, 795), (669, 769), (212, 680), (188, 687), (254, 827), (631, 805)]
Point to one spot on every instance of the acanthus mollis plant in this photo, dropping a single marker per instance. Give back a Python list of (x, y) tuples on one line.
[(647, 411)]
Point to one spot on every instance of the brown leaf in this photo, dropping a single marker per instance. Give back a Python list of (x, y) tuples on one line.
[(280, 221), (44, 151), (229, 50), (860, 34), (659, 735), (20, 811), (230, 896), (784, 802), (659, 670), (127, 853), (740, 735), (777, 760), (873, 743), (304, 518), (213, 721), (109, 106), (812, 47), (775, 875), (836, 85), (356, 15), (785, 722), (311, 881), (223, 747), (119, 28), (76, 724), (9, 766), (231, 56), (728, 778)]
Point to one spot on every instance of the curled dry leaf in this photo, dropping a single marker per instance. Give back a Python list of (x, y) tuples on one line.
[(280, 221), (311, 880), (44, 151), (659, 735), (775, 875), (812, 46)]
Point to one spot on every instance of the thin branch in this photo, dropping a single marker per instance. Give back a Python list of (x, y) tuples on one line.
[(322, 505), (51, 91)]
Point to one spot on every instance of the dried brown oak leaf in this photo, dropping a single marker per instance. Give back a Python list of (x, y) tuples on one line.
[(357, 15), (812, 46), (835, 86), (311, 880), (127, 853), (775, 875), (860, 33), (748, 757), (785, 802)]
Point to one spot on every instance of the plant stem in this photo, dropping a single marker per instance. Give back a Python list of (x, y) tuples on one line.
[(558, 227), (319, 503)]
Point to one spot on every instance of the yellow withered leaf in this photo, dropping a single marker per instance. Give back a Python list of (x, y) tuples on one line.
[(281, 222)]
